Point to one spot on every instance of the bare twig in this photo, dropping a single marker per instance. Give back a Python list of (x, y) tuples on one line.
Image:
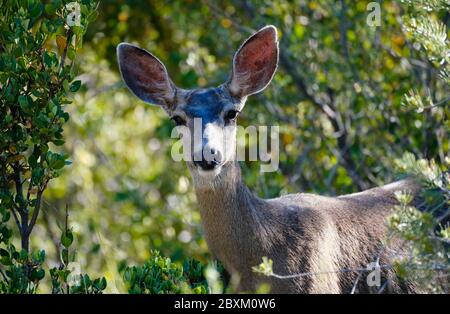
[(4, 276), (380, 291), (63, 56), (444, 102), (37, 208), (66, 221), (19, 187), (55, 240), (23, 207), (350, 270), (16, 218), (356, 283)]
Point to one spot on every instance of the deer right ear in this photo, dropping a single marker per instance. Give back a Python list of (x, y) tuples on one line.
[(145, 75), (255, 63)]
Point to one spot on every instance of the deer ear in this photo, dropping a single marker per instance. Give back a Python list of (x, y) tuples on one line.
[(145, 75), (255, 62)]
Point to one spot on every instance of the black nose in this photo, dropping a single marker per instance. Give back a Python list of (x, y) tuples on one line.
[(208, 161)]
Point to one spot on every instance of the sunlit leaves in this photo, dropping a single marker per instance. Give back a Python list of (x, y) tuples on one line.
[(423, 232), (428, 5), (414, 100), (265, 268), (432, 35)]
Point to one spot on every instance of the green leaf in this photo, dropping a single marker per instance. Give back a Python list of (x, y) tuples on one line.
[(77, 30), (6, 217), (58, 164), (4, 252), (35, 10), (66, 239), (41, 256), (59, 143), (65, 256), (71, 53), (75, 86), (23, 102), (44, 27), (32, 160), (48, 60), (37, 174), (50, 9), (66, 85), (38, 274), (101, 284), (6, 260), (23, 255)]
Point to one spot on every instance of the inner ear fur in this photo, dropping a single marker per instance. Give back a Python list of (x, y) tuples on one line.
[(145, 75), (255, 63)]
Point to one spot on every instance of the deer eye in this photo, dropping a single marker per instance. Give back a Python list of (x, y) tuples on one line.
[(178, 120), (231, 114)]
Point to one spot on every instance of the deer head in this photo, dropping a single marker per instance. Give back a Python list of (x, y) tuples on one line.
[(206, 117)]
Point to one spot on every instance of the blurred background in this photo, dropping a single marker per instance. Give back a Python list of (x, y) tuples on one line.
[(338, 97)]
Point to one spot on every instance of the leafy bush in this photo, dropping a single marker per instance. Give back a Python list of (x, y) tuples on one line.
[(23, 272), (161, 275), (426, 231), (36, 82)]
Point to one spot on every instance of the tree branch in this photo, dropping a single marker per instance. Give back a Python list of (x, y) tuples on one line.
[(4, 276), (16, 218), (19, 188), (37, 208), (63, 56)]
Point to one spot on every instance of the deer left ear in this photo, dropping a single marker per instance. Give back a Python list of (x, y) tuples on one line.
[(145, 76), (255, 63)]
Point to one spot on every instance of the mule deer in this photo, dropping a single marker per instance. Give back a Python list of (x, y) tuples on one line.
[(299, 232)]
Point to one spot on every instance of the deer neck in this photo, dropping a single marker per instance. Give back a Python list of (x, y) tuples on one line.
[(230, 218)]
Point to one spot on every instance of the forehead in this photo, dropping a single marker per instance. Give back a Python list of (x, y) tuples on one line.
[(206, 102)]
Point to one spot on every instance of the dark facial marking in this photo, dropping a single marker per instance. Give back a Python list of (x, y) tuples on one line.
[(207, 104)]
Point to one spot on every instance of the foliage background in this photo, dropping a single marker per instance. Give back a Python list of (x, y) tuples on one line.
[(338, 96)]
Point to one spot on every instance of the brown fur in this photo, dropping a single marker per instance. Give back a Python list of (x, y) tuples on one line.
[(299, 232)]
